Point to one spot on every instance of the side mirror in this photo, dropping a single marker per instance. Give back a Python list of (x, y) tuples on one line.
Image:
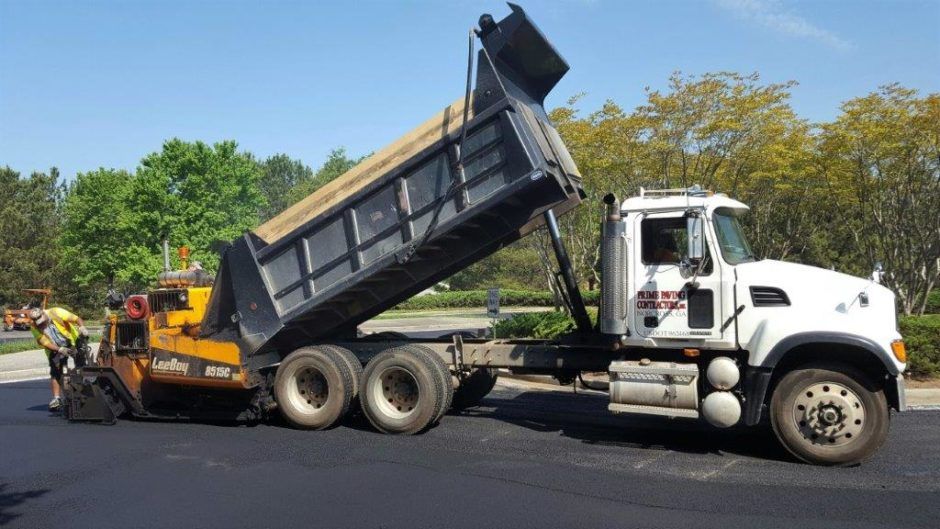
[(878, 273), (695, 228)]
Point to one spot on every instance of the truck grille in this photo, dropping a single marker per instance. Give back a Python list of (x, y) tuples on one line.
[(131, 336), (769, 297), (167, 300)]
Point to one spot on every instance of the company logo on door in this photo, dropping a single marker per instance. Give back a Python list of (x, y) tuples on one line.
[(660, 300)]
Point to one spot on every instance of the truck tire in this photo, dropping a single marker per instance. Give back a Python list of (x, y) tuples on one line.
[(475, 387), (403, 391), (829, 414), (446, 379), (313, 387), (354, 365)]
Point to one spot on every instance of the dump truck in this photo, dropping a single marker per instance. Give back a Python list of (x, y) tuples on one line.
[(690, 324), (18, 319)]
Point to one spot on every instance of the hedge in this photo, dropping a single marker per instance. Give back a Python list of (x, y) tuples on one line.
[(933, 302), (477, 299), (921, 336), (922, 340), (543, 325)]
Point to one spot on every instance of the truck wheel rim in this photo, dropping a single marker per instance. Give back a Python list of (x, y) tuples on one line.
[(310, 390), (829, 414), (396, 392)]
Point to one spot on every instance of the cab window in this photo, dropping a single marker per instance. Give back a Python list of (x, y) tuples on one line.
[(665, 241)]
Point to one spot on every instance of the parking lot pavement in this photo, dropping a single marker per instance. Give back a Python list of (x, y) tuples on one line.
[(525, 458), (27, 365), (425, 328), (13, 336)]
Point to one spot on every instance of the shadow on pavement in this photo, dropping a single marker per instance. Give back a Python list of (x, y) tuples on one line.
[(585, 417), (9, 500)]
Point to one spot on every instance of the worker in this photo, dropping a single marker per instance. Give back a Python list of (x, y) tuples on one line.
[(57, 331)]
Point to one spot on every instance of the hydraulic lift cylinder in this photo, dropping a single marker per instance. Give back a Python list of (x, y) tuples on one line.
[(578, 311)]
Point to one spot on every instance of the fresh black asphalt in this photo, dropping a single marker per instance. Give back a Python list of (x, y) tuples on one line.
[(523, 459)]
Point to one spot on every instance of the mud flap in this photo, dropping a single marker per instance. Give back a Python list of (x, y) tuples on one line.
[(87, 400)]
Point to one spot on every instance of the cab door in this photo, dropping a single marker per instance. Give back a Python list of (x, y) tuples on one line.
[(671, 301)]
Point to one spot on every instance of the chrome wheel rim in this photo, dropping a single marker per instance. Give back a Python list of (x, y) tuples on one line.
[(396, 392), (829, 414), (309, 390)]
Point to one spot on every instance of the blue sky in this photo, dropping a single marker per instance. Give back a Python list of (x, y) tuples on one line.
[(102, 83)]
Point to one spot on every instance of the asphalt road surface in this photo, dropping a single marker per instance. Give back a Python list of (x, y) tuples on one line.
[(525, 458)]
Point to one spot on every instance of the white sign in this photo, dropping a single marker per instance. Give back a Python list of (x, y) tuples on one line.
[(492, 303)]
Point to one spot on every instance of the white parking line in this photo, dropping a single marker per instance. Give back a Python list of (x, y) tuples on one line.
[(24, 380)]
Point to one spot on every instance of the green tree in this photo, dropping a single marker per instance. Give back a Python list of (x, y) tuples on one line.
[(195, 195), (29, 221), (281, 174), (724, 131), (97, 227), (513, 267), (881, 159), (730, 132), (190, 193), (335, 165)]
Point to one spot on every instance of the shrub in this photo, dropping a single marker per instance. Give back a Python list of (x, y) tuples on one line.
[(933, 302), (477, 299), (542, 325), (922, 340), (535, 325)]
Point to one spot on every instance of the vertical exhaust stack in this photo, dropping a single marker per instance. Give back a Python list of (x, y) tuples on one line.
[(613, 313), (166, 255)]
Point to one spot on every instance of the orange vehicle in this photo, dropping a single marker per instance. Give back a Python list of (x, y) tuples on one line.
[(18, 319)]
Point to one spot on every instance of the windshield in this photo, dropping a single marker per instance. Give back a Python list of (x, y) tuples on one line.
[(734, 247)]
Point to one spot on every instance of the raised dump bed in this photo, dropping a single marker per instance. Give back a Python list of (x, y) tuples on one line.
[(367, 241)]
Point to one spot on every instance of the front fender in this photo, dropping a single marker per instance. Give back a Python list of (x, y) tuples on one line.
[(834, 338), (757, 379)]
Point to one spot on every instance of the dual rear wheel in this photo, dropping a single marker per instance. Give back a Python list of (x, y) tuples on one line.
[(403, 390), (315, 386), (406, 390)]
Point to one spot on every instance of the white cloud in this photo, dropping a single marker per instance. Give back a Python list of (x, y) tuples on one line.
[(770, 14)]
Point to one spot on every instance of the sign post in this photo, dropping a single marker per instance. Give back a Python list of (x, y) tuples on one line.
[(492, 307)]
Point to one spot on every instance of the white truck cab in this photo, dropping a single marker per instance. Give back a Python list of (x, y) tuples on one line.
[(818, 349)]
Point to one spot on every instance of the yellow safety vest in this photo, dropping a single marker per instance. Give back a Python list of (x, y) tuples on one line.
[(65, 322)]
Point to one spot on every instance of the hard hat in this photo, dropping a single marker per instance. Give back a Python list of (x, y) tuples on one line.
[(38, 316)]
